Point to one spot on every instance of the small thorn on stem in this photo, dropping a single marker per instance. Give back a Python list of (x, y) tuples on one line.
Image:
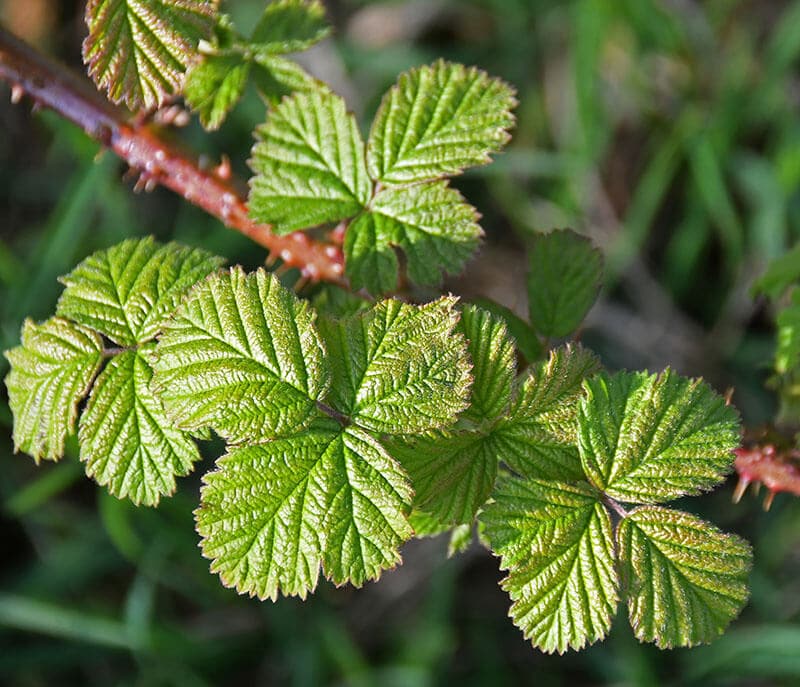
[(223, 169), (768, 499), (728, 395), (741, 488), (17, 91)]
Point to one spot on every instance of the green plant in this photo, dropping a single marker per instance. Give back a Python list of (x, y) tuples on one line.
[(350, 430)]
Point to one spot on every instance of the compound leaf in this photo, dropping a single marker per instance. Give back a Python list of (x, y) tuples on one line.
[(272, 513), (138, 50), (452, 474), (289, 26), (51, 372), (126, 440), (214, 86), (399, 368), (538, 436), (435, 228), (684, 578), (651, 438), (564, 276), (436, 121), (309, 164), (241, 356), (555, 540), (126, 292)]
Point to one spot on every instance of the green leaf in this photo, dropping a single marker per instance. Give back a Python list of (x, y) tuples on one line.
[(493, 363), (565, 272), (138, 50), (556, 541), (334, 301), (436, 121), (399, 368), (426, 524), (241, 356), (780, 275), (214, 86), (435, 227), (538, 436), (50, 374), (787, 354), (523, 334), (126, 440), (127, 291), (452, 474), (460, 540), (366, 513), (685, 579), (271, 513), (309, 164), (289, 26), (651, 438), (276, 77)]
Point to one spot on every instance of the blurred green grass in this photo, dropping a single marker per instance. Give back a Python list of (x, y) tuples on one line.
[(667, 130)]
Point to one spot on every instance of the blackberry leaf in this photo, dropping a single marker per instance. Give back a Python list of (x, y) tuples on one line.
[(126, 440), (399, 368), (685, 579), (555, 539), (309, 164), (436, 229), (564, 276), (438, 120), (127, 291), (138, 50), (51, 372), (651, 438), (241, 356), (272, 513)]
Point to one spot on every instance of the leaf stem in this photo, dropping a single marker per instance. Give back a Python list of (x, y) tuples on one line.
[(341, 418), (157, 161), (614, 505)]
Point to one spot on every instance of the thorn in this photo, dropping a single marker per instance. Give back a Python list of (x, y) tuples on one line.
[(223, 169), (36, 106), (741, 487), (728, 395), (757, 488), (768, 499), (17, 91), (270, 260), (301, 283), (150, 185)]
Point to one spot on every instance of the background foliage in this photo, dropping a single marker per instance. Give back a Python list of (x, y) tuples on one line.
[(668, 131)]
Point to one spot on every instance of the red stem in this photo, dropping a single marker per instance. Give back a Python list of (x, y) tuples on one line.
[(51, 85)]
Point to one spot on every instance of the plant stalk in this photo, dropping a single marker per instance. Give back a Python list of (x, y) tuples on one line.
[(156, 160)]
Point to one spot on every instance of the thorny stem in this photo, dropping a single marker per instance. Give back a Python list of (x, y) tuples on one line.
[(53, 86)]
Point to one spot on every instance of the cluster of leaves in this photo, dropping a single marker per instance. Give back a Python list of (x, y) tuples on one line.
[(312, 168), (351, 429), (144, 51), (346, 434), (217, 80), (781, 284)]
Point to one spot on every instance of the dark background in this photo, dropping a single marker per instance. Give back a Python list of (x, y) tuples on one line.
[(667, 130)]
